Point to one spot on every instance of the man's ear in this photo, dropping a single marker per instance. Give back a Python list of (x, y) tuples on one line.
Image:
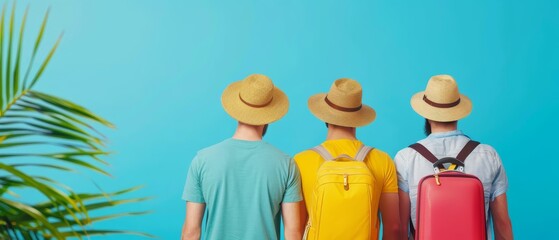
[(264, 130)]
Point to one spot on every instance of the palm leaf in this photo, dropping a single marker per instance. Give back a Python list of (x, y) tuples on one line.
[(9, 89), (30, 211), (46, 132), (37, 43), (3, 88), (45, 62), (18, 56)]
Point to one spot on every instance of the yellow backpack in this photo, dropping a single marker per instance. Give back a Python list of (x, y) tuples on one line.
[(342, 198)]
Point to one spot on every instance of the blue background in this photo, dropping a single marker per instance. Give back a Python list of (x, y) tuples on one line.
[(156, 69)]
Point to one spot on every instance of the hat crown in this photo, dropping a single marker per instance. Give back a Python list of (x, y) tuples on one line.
[(346, 93), (257, 89), (442, 89)]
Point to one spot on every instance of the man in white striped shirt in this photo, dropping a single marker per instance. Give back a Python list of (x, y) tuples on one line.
[(442, 106)]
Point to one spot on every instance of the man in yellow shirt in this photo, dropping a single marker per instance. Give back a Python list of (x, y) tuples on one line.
[(342, 111)]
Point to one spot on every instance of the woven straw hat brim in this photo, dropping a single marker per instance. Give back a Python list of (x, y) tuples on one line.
[(463, 109), (240, 111), (320, 109)]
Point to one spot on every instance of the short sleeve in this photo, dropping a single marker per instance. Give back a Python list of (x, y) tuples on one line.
[(500, 182), (401, 172), (293, 190), (390, 178), (192, 188)]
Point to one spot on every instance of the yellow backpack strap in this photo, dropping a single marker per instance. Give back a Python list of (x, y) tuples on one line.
[(362, 153), (322, 152)]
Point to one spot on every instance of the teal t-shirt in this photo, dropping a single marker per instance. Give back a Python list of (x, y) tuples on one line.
[(243, 184)]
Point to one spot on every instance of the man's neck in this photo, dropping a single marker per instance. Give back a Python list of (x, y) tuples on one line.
[(248, 132), (442, 130), (338, 132), (439, 128)]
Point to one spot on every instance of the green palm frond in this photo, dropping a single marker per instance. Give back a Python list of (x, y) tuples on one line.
[(42, 131)]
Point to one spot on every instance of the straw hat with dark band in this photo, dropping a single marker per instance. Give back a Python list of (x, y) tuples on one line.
[(254, 100), (342, 106), (441, 101)]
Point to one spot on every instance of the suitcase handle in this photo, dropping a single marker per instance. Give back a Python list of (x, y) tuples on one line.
[(439, 164)]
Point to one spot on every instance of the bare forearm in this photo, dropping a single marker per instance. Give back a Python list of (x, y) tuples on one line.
[(193, 222), (392, 233), (190, 234), (390, 213), (404, 215), (293, 234), (404, 229), (292, 221), (503, 230), (501, 219), (303, 216), (404, 224)]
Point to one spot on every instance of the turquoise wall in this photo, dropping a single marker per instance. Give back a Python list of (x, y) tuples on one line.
[(156, 69)]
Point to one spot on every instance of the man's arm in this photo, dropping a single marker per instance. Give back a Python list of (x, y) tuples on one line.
[(193, 222), (388, 207), (303, 215), (502, 225), (404, 214), (291, 220)]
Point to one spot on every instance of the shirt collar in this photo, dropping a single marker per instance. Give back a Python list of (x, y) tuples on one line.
[(446, 134)]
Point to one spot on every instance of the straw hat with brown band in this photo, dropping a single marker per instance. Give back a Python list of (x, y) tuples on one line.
[(254, 100), (441, 101), (342, 105)]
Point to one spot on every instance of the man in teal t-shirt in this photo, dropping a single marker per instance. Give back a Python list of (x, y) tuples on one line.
[(243, 184)]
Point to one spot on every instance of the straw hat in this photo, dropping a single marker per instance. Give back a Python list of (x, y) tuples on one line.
[(342, 105), (441, 100), (254, 100)]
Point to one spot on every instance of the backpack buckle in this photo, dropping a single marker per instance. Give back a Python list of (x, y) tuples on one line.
[(346, 183)]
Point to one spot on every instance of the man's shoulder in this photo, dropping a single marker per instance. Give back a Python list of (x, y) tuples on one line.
[(486, 152), (409, 153), (305, 156), (271, 149), (379, 153), (212, 148), (405, 153), (260, 146), (379, 157), (485, 148), (224, 149), (306, 153), (309, 153)]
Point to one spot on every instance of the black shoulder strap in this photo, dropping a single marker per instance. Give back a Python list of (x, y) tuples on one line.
[(424, 152), (465, 152)]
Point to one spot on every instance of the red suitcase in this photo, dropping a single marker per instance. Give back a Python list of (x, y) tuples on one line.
[(450, 203)]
